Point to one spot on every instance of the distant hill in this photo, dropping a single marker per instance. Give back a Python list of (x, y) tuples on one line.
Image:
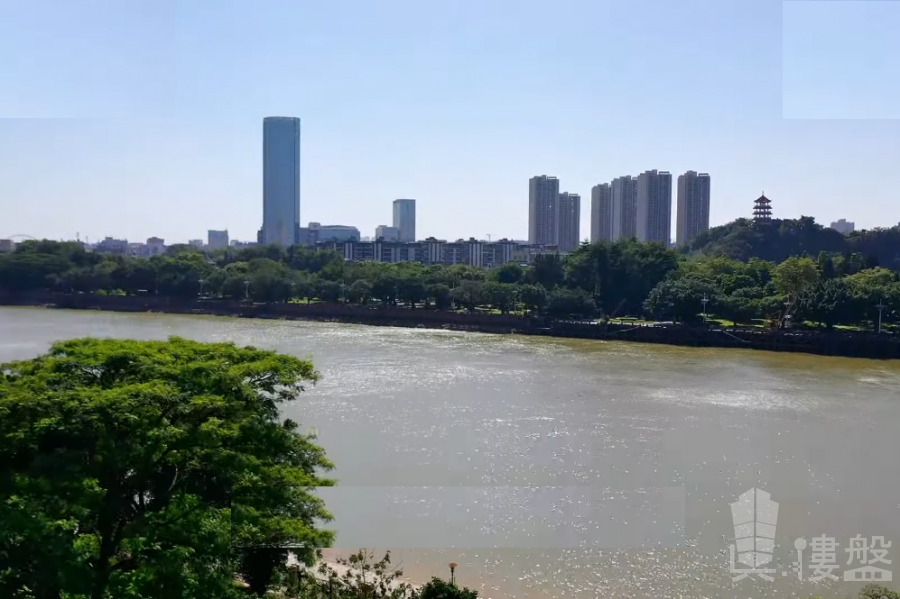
[(780, 239)]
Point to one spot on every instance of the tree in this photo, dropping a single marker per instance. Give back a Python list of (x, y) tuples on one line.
[(362, 576), (135, 469), (533, 297), (829, 302), (412, 290), (570, 303), (508, 273), (547, 270), (794, 275), (441, 589), (360, 291), (678, 300), (441, 295), (469, 294), (501, 296)]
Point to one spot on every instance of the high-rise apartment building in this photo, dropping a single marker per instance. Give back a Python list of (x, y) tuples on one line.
[(281, 180), (217, 239), (654, 207), (405, 219), (568, 221), (543, 210), (601, 213), (623, 192), (692, 216)]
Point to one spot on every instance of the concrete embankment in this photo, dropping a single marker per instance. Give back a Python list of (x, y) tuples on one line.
[(833, 343)]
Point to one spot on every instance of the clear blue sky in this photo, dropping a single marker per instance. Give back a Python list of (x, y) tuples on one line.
[(144, 117)]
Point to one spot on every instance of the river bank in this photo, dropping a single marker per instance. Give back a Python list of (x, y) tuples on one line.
[(832, 343)]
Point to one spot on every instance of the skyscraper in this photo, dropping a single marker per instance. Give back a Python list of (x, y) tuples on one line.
[(281, 180), (405, 219), (543, 210), (693, 206), (623, 191), (601, 213), (568, 221), (654, 207)]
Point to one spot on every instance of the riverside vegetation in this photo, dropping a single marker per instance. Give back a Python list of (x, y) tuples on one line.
[(747, 275)]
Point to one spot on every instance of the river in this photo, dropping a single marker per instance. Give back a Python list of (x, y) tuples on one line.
[(562, 468)]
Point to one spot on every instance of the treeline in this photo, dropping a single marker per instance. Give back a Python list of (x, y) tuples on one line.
[(601, 280), (782, 238)]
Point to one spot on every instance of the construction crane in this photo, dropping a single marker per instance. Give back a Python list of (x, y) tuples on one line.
[(489, 237)]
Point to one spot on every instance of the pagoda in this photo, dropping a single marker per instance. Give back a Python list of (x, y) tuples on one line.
[(762, 209)]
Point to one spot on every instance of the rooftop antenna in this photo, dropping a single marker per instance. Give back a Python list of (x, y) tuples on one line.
[(489, 237)]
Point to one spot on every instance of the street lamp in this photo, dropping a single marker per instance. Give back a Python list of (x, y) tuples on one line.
[(881, 308), (246, 288), (705, 300)]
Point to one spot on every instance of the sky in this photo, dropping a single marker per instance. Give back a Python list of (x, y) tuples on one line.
[(144, 118)]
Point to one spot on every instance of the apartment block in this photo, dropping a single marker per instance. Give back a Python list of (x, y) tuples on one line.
[(653, 207), (568, 221), (692, 216), (601, 213)]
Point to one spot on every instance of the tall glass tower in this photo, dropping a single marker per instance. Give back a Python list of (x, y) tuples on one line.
[(281, 180), (405, 219)]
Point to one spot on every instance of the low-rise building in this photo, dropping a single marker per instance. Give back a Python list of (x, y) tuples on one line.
[(217, 239), (316, 232), (110, 245), (471, 252), (387, 233), (7, 245)]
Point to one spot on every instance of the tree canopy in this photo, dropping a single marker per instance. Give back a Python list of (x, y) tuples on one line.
[(143, 469)]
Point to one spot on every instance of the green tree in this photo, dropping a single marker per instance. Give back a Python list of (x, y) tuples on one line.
[(794, 275), (441, 589), (570, 303), (533, 297), (679, 300), (134, 469), (548, 270), (360, 291), (501, 296), (468, 294), (440, 293), (508, 273), (829, 302)]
